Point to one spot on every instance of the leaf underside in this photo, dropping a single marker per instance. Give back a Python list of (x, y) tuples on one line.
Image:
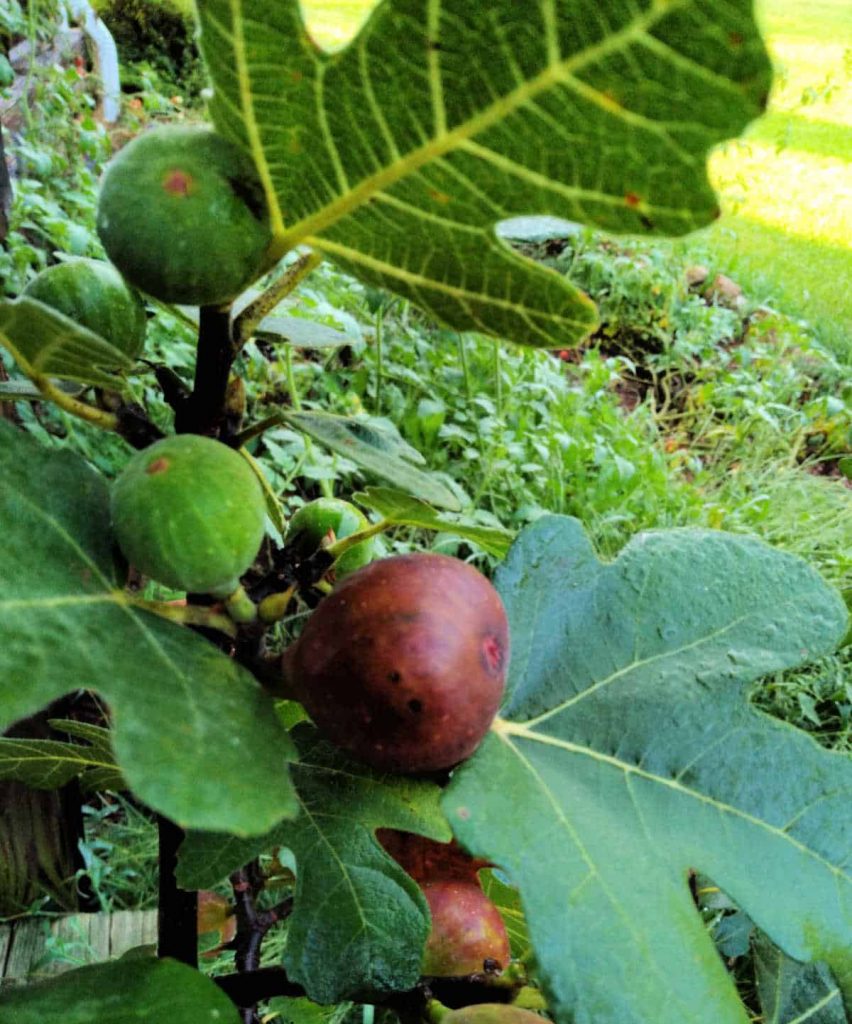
[(359, 921), (193, 733), (629, 743), (46, 343), (399, 155)]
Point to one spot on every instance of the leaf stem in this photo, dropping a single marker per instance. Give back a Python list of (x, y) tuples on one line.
[(340, 547), (186, 615), (240, 606), (247, 322), (82, 410)]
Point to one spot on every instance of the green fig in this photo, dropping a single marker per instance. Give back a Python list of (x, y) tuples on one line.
[(492, 1013), (183, 215), (94, 295), (189, 512), (330, 518)]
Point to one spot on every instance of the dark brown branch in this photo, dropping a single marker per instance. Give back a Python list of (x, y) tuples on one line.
[(204, 410)]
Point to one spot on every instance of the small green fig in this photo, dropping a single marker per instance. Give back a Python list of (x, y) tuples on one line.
[(94, 295), (183, 215), (314, 522), (189, 512), (404, 663), (468, 935)]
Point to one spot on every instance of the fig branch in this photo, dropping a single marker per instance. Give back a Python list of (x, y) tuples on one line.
[(204, 410)]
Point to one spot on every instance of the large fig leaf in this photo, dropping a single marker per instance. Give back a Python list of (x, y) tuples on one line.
[(398, 156), (46, 343), (194, 735), (127, 991), (359, 921), (49, 764), (628, 753)]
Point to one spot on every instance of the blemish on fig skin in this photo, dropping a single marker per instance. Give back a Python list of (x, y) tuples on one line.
[(178, 183), (415, 706), (492, 655), (157, 466), (394, 677)]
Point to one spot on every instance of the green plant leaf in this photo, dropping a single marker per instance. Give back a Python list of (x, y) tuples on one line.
[(507, 899), (49, 764), (792, 993), (45, 343), (359, 921), (300, 333), (403, 510), (398, 156), (127, 991), (23, 390), (377, 449), (193, 733), (629, 742)]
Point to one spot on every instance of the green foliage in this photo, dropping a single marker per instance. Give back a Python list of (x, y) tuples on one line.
[(627, 685)]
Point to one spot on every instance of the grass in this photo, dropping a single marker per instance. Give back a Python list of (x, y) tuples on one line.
[(786, 186)]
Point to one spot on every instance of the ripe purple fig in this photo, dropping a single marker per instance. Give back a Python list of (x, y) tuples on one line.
[(404, 664)]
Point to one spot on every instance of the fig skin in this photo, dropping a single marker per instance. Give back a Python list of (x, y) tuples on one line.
[(468, 935), (404, 664), (311, 523), (428, 861), (189, 512), (183, 215), (492, 1013), (94, 295)]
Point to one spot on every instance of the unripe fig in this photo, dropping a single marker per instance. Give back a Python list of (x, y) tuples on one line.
[(94, 295), (428, 861), (404, 663), (468, 935), (183, 215), (312, 523), (189, 512), (492, 1013)]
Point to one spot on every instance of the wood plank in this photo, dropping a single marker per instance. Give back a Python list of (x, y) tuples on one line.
[(6, 931), (28, 946), (131, 928)]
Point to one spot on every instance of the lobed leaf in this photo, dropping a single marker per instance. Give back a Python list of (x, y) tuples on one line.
[(359, 921), (792, 993), (399, 155), (193, 733), (46, 343), (628, 740)]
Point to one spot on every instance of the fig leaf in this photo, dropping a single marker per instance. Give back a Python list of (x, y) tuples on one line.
[(193, 733), (398, 156), (359, 921), (628, 740)]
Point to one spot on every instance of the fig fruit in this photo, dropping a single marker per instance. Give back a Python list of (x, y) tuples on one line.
[(428, 861), (94, 295), (183, 215), (468, 935), (404, 664), (312, 523), (492, 1013), (189, 512)]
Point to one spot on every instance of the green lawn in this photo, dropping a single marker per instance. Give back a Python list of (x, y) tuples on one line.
[(787, 186)]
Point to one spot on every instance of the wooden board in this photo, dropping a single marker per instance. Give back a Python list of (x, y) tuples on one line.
[(39, 947)]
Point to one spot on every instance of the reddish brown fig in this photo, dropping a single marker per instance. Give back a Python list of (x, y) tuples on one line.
[(428, 861), (404, 664), (468, 935)]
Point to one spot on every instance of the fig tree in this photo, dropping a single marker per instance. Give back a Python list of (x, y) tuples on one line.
[(334, 519), (189, 512), (183, 215), (93, 294), (468, 935), (404, 663)]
